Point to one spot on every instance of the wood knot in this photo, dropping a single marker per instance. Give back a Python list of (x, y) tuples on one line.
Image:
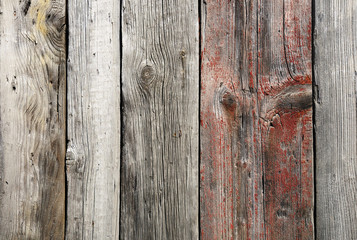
[(183, 53), (281, 213), (147, 74), (25, 7), (14, 84), (229, 101)]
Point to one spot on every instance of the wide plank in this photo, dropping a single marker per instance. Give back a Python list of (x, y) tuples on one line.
[(335, 104), (93, 151), (160, 86), (32, 119)]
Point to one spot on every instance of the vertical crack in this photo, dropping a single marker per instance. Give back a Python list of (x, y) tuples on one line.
[(284, 43), (259, 115)]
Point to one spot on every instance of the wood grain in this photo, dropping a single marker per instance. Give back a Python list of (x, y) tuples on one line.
[(335, 104), (256, 120), (93, 153), (231, 171), (32, 113), (285, 73), (160, 85)]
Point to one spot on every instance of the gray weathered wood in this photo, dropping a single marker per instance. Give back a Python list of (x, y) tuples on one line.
[(159, 182), (93, 154), (32, 113), (335, 103)]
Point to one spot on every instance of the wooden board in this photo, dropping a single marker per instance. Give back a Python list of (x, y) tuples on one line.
[(231, 172), (93, 153), (32, 119), (256, 120), (160, 86), (285, 74), (335, 104)]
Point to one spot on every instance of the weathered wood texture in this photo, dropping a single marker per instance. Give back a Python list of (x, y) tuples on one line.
[(335, 104), (256, 120), (231, 171), (160, 86), (285, 76), (32, 119), (93, 153)]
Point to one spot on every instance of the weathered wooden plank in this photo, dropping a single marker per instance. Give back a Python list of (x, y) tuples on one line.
[(160, 85), (231, 171), (93, 154), (256, 120), (335, 104), (285, 73), (32, 113)]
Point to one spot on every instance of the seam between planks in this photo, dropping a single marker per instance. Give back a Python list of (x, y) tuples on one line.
[(314, 100), (66, 122), (199, 114), (121, 104)]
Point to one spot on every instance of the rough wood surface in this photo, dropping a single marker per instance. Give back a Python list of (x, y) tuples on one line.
[(32, 119), (160, 80), (231, 171), (93, 153), (256, 120), (285, 74), (335, 104)]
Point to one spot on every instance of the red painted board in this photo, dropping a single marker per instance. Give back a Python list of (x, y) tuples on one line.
[(256, 120)]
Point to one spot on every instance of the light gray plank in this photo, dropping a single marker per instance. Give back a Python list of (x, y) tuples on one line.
[(32, 113), (160, 85), (93, 154), (335, 102)]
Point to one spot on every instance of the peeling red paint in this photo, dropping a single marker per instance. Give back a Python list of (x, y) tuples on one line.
[(252, 128)]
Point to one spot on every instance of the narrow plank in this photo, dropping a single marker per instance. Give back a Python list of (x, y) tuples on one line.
[(256, 120), (93, 153), (231, 171), (285, 96), (32, 126), (160, 86), (335, 104)]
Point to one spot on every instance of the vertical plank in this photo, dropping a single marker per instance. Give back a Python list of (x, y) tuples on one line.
[(159, 182), (32, 126), (231, 171), (93, 154), (335, 104), (256, 120), (285, 96)]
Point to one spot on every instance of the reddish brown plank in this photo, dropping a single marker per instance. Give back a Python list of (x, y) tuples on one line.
[(256, 120), (231, 170), (284, 70)]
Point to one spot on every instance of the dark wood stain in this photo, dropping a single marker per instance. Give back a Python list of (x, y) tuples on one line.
[(25, 7)]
